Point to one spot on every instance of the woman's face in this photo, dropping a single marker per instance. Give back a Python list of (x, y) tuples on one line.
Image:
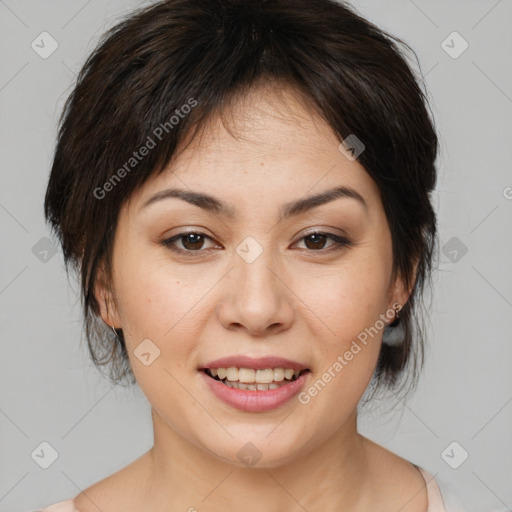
[(253, 281)]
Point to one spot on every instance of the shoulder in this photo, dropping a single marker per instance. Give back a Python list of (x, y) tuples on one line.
[(411, 486), (61, 506), (440, 496), (396, 482), (435, 499), (123, 490)]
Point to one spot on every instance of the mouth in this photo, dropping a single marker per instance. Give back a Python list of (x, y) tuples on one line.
[(251, 379)]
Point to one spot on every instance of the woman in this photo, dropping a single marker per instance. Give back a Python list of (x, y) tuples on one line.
[(244, 187)]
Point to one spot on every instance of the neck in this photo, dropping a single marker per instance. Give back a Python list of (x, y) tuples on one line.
[(187, 477)]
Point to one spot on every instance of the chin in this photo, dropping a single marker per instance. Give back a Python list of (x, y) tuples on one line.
[(256, 451)]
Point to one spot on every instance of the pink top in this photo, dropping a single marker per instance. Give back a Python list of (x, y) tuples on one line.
[(435, 500)]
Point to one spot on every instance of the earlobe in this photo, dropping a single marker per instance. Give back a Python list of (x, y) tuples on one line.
[(401, 293), (106, 302)]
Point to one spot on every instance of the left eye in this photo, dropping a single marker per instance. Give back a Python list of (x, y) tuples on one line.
[(194, 241), (314, 240)]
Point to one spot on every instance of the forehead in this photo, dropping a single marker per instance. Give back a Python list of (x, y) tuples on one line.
[(268, 143), (264, 123)]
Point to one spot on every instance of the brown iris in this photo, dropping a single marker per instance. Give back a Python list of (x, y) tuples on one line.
[(317, 241), (192, 241)]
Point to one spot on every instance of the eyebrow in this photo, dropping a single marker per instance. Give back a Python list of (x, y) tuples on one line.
[(214, 205)]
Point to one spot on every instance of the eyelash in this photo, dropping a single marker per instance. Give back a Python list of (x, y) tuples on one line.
[(340, 242)]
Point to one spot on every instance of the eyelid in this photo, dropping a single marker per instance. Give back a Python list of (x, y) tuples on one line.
[(323, 231)]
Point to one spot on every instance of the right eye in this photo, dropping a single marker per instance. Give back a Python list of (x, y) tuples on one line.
[(191, 241)]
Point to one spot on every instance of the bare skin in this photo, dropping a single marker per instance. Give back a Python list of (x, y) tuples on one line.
[(296, 300), (393, 485)]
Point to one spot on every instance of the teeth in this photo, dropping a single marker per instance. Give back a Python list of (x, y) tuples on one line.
[(261, 379), (264, 376), (252, 387), (278, 374), (232, 374), (246, 375)]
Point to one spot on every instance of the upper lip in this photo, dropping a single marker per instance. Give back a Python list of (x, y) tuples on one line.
[(259, 363)]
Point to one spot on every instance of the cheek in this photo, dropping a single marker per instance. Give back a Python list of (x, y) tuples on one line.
[(162, 302), (157, 305), (343, 306), (346, 300), (344, 320)]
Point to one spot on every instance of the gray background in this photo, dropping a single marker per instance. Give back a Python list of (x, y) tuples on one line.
[(49, 391)]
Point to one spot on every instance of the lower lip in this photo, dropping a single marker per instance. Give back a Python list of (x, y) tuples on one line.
[(255, 401)]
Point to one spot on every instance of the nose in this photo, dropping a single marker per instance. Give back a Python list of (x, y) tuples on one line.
[(256, 298)]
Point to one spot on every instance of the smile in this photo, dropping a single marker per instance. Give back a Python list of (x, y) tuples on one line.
[(250, 379), (254, 390)]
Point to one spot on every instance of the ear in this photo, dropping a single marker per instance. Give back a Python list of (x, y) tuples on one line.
[(106, 301), (399, 293)]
